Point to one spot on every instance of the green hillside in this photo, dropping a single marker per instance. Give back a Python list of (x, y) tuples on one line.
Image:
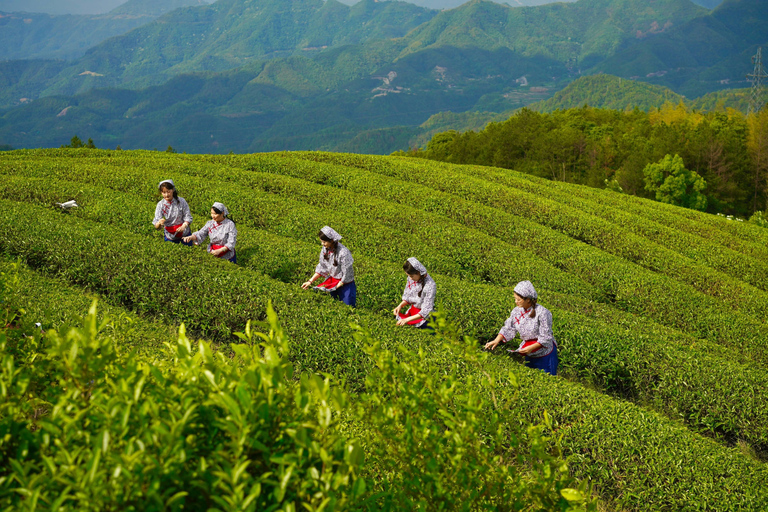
[(706, 54), (598, 91), (605, 91), (658, 312), (611, 92), (231, 33), (613, 148), (737, 99), (25, 35), (580, 34), (153, 7), (322, 75)]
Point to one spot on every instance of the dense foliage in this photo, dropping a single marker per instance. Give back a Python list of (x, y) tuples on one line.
[(595, 146)]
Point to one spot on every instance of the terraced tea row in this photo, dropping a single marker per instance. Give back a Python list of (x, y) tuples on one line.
[(630, 361), (612, 442), (674, 253), (53, 303), (745, 239)]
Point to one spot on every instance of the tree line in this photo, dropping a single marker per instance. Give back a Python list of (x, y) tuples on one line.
[(715, 161)]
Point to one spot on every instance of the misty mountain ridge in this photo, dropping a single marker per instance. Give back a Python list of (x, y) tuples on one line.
[(45, 36)]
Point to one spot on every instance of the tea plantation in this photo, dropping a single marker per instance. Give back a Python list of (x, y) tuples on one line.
[(110, 403)]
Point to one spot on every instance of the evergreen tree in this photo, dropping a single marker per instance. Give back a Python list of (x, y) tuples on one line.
[(74, 142)]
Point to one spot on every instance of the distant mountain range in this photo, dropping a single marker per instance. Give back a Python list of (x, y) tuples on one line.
[(46, 36), (256, 75)]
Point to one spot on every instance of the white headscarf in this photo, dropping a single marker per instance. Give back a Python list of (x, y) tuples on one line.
[(526, 290), (330, 233), (416, 264), (221, 208), (165, 181)]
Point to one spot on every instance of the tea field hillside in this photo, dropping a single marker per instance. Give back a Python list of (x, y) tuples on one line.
[(659, 313)]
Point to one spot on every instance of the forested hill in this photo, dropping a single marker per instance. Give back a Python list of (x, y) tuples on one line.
[(231, 33), (154, 7), (606, 91), (719, 157), (46, 36), (612, 92)]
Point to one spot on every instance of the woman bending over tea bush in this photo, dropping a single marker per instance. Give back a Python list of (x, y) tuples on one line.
[(222, 232), (172, 213), (335, 265), (419, 294), (534, 324)]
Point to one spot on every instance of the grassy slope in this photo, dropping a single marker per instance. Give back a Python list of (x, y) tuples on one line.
[(280, 201)]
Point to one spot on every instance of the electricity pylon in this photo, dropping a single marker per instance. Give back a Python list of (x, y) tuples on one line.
[(756, 77)]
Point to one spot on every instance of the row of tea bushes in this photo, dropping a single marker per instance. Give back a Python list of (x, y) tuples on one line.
[(694, 260), (385, 238), (710, 233), (522, 232), (703, 239), (631, 362), (729, 233), (232, 294), (639, 291), (54, 303), (84, 430), (636, 443), (656, 295)]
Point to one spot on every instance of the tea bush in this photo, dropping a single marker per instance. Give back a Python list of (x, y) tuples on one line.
[(637, 460), (621, 362), (82, 430)]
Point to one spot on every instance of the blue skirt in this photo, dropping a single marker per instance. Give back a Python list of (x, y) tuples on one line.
[(346, 294), (547, 363), (176, 240)]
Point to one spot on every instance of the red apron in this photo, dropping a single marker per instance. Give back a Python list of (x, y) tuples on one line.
[(413, 310), (329, 283), (172, 231), (527, 343), (214, 247)]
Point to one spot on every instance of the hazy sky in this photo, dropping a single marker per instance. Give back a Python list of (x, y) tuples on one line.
[(102, 6)]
